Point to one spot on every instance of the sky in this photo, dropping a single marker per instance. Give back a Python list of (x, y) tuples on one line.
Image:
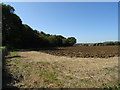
[(88, 22)]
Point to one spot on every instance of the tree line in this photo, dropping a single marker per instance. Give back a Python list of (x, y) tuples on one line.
[(99, 44), (21, 36)]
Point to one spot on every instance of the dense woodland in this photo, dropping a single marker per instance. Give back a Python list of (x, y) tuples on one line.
[(21, 36)]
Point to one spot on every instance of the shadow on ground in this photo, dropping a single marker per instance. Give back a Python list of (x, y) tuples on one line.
[(39, 49), (17, 56), (7, 77)]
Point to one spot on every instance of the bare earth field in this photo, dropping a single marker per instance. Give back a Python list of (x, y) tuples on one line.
[(35, 69), (85, 51)]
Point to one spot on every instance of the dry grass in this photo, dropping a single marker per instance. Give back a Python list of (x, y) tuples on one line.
[(35, 70)]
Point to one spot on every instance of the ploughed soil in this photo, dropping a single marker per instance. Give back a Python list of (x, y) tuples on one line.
[(85, 51)]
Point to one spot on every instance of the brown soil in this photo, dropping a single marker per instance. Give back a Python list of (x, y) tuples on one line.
[(85, 51)]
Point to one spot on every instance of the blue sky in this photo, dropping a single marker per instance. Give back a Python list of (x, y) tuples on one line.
[(86, 21)]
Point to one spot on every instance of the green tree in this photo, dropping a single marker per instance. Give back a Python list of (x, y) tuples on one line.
[(18, 35), (12, 26), (71, 41), (65, 42)]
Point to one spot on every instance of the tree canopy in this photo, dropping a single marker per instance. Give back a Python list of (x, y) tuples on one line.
[(18, 35)]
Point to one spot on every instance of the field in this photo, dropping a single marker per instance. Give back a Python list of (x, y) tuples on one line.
[(65, 67), (85, 51)]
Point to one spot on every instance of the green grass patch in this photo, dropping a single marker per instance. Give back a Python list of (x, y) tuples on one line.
[(112, 87), (47, 75), (116, 86)]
